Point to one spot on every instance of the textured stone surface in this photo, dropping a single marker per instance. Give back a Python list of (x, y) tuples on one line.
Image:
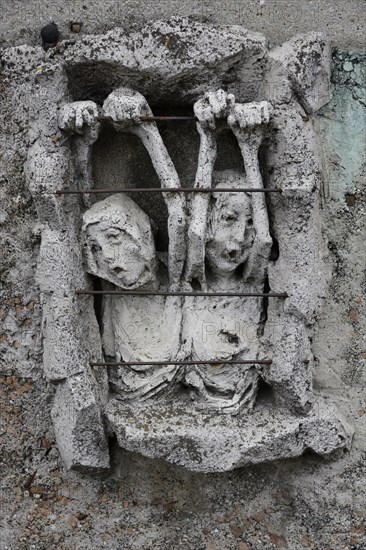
[(211, 443), (278, 20), (221, 255), (301, 502), (171, 61)]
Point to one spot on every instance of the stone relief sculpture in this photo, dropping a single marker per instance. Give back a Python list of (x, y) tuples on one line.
[(229, 246), (120, 249), (220, 242)]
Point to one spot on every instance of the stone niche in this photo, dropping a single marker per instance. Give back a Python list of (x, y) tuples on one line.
[(253, 130)]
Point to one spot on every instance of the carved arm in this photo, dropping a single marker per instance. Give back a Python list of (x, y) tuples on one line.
[(126, 107), (213, 106), (248, 122), (80, 119)]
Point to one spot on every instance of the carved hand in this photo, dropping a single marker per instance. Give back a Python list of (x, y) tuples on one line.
[(126, 107), (213, 106), (248, 120), (80, 118)]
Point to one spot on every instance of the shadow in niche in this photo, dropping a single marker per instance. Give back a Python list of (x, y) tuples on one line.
[(312, 458), (311, 455), (265, 394), (228, 152), (264, 312), (265, 172), (95, 80), (120, 161), (98, 299), (275, 250)]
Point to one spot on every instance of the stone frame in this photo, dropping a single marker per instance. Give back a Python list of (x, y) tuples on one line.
[(240, 61)]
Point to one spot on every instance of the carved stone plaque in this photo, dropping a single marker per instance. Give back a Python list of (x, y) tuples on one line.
[(196, 347)]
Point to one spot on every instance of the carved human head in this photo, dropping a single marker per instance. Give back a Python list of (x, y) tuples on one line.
[(118, 243), (229, 234)]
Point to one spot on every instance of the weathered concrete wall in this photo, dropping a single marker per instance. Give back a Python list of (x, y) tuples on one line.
[(277, 19), (303, 503)]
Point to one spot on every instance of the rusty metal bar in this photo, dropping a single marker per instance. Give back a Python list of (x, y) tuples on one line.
[(183, 293), (180, 363), (168, 190), (150, 119)]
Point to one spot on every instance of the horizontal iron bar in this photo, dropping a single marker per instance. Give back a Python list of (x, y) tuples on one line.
[(183, 293), (168, 190), (150, 119), (180, 363)]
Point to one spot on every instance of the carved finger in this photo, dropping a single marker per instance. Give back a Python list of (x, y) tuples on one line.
[(257, 115), (136, 114), (106, 107), (207, 118), (79, 121), (210, 119), (243, 117), (221, 97), (266, 112), (230, 101), (263, 113), (94, 111), (144, 108), (199, 108), (232, 121), (109, 109), (217, 102), (88, 117), (64, 119), (118, 111)]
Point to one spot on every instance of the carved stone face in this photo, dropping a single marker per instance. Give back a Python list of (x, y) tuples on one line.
[(119, 243), (228, 242)]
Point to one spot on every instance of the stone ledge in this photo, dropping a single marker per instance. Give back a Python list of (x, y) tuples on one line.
[(205, 443)]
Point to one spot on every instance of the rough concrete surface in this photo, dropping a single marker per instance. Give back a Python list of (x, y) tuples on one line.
[(300, 503), (279, 20)]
